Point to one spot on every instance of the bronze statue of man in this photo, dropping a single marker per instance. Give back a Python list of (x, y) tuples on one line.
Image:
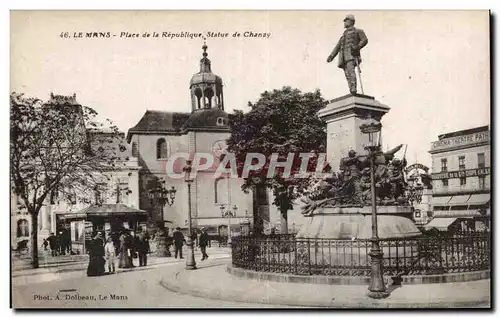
[(349, 47)]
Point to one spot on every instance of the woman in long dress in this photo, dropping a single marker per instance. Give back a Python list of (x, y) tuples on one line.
[(96, 256), (125, 251)]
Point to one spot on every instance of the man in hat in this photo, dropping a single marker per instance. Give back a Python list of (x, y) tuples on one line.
[(178, 241), (142, 246), (203, 243), (52, 239), (349, 47)]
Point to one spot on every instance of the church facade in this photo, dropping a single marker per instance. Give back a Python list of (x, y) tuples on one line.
[(159, 135)]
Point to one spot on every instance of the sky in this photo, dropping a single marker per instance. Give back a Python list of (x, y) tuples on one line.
[(430, 67)]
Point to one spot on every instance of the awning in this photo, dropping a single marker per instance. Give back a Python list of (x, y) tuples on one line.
[(440, 200), (441, 224), (479, 199), (459, 200), (103, 210)]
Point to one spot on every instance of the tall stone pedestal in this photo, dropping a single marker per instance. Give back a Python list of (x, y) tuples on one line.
[(343, 116)]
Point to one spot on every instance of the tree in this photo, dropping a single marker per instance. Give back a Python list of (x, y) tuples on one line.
[(56, 147), (282, 121)]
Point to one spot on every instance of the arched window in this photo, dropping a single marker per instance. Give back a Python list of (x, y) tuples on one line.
[(135, 151), (209, 93), (221, 190), (161, 149), (22, 228), (198, 93)]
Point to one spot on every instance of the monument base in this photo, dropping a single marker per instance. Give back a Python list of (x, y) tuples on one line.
[(343, 116), (356, 223)]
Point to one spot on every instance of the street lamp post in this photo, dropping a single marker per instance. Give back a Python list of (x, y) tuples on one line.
[(229, 215), (190, 261), (377, 288), (162, 196)]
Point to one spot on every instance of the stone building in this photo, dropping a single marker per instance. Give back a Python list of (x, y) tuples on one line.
[(120, 189), (461, 179), (159, 135)]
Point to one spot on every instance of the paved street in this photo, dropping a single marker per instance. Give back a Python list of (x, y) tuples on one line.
[(164, 283), (136, 288)]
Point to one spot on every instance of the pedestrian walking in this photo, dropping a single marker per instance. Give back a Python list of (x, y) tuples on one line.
[(203, 242), (125, 250), (61, 244), (133, 251), (45, 244), (178, 241), (96, 256), (52, 244), (142, 247), (110, 252)]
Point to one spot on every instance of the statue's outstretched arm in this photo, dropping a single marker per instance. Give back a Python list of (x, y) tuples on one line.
[(393, 150)]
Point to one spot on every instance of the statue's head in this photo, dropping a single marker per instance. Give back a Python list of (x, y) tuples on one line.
[(396, 162), (349, 20), (352, 153)]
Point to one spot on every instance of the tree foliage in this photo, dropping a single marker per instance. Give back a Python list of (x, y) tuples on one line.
[(282, 121), (58, 147)]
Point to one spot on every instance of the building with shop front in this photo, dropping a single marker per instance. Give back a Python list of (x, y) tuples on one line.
[(114, 203), (461, 176)]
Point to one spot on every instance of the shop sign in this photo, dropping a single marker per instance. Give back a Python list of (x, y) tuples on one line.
[(458, 141), (461, 173)]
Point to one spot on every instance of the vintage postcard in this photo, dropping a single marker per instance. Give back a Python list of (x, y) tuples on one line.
[(249, 159)]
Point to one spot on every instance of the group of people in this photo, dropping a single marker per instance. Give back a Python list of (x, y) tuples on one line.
[(125, 248), (59, 244), (128, 246), (179, 241)]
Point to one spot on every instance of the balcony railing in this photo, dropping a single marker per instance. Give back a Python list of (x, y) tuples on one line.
[(425, 255)]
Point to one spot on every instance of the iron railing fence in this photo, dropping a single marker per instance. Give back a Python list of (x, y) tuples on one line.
[(423, 255)]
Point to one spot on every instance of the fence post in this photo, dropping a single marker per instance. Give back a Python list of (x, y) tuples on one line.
[(397, 255), (309, 255)]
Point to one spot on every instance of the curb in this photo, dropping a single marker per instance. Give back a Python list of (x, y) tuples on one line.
[(77, 267), (81, 266), (172, 284), (355, 280)]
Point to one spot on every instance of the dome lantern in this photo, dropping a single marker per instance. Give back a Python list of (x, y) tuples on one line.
[(205, 86)]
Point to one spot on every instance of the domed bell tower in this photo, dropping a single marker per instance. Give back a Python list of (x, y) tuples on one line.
[(206, 87)]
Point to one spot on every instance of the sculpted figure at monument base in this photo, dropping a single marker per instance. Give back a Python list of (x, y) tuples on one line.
[(351, 187)]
